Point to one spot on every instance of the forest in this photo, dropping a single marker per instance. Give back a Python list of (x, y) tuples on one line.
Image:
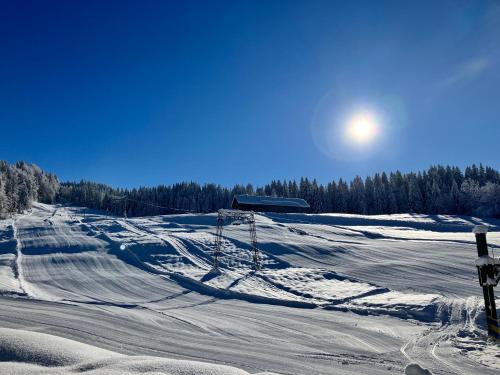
[(23, 183), (437, 190)]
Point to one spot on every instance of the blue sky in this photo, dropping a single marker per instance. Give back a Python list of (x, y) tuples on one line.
[(143, 93)]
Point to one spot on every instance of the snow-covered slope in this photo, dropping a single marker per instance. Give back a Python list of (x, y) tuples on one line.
[(28, 352), (336, 294)]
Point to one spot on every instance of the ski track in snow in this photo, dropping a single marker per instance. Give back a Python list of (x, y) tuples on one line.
[(386, 290), (18, 261), (173, 242)]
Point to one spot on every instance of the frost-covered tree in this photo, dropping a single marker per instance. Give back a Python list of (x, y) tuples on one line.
[(23, 183), (3, 197), (489, 200), (470, 195)]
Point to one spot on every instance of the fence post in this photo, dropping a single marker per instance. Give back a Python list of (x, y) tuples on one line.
[(483, 269)]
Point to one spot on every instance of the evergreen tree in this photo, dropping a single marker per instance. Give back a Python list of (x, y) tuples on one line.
[(357, 196), (440, 189), (470, 195), (369, 196), (489, 200), (315, 197), (379, 195), (415, 199), (331, 197), (342, 196), (454, 199), (3, 197), (435, 199)]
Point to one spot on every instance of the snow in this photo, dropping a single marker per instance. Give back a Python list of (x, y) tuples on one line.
[(480, 229), (271, 201), (24, 352), (486, 260), (339, 294), (415, 369)]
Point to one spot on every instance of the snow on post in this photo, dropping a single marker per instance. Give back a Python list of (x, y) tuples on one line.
[(480, 229)]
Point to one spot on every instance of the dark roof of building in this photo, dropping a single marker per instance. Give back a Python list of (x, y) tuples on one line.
[(271, 201)]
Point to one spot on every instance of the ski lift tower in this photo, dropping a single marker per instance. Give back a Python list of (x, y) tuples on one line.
[(243, 217), (488, 270)]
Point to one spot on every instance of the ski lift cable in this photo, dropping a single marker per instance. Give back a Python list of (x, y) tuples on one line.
[(150, 204)]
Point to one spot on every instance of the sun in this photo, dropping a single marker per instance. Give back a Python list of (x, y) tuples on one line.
[(362, 128)]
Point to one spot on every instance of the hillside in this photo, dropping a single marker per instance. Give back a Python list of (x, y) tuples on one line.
[(359, 294)]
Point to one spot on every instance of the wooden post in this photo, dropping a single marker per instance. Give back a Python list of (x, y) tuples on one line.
[(483, 273)]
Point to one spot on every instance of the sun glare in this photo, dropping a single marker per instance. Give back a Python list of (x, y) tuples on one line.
[(362, 128)]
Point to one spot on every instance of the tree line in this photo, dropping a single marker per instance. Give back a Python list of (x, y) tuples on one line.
[(437, 190), (23, 183)]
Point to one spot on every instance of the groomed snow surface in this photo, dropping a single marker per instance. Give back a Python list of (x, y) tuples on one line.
[(81, 292)]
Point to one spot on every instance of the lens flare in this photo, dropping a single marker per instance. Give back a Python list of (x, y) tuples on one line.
[(362, 128)]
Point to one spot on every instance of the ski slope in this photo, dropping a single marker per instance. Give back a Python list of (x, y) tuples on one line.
[(337, 294)]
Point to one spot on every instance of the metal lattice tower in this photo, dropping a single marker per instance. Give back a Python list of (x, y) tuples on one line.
[(245, 217)]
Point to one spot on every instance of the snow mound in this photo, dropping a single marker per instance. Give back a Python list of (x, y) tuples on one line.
[(47, 350), (414, 369), (25, 352)]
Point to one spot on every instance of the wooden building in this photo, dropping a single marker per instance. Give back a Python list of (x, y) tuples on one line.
[(269, 204)]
